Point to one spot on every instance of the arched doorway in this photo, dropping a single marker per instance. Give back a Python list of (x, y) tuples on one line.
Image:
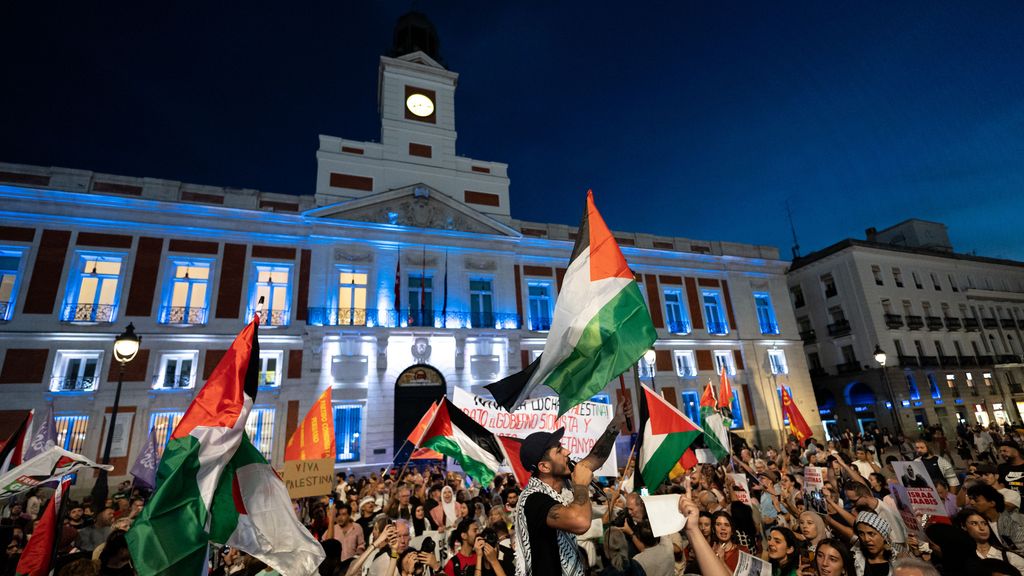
[(415, 389), (862, 399)]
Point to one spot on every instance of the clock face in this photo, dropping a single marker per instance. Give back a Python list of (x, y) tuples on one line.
[(420, 104)]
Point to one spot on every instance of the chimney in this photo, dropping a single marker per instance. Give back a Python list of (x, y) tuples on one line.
[(871, 233)]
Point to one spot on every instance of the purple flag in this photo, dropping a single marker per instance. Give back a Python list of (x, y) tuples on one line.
[(145, 465), (45, 436)]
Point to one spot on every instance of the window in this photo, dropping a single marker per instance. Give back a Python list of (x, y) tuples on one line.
[(187, 298), (177, 371), (970, 380), (713, 313), (481, 304), (348, 419), (260, 428), (540, 305), (849, 357), (10, 272), (724, 361), (935, 282), (421, 301), (814, 361), (351, 298), (777, 360), (270, 367), (691, 405), (986, 377), (952, 283), (915, 394), (951, 380), (71, 431), (686, 364), (94, 289), (828, 284), (933, 386), (675, 315), (765, 313), (737, 413), (917, 280), (797, 294), (899, 348), (877, 273), (76, 371), (162, 424), (897, 277), (273, 284)]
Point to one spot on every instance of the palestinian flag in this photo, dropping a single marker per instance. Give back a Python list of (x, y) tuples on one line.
[(716, 429), (416, 437), (452, 433), (665, 436), (39, 552), (601, 326), (510, 447)]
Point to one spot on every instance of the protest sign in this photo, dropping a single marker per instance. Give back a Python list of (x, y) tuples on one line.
[(740, 489), (50, 465), (663, 513), (921, 494), (814, 484), (750, 565), (584, 423), (308, 477)]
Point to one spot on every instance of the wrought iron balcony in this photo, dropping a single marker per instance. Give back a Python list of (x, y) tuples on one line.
[(544, 324), (673, 326), (1008, 323), (717, 328), (73, 384), (971, 324), (90, 313), (174, 383), (985, 360), (183, 315), (769, 327), (934, 322), (948, 361), (908, 360), (1008, 359), (915, 322), (894, 320), (839, 328), (929, 360), (808, 336), (275, 317), (952, 323), (989, 322), (848, 367)]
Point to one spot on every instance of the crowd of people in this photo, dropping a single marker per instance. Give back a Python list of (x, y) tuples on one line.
[(429, 520)]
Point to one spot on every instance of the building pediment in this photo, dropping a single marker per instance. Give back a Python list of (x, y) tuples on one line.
[(416, 206)]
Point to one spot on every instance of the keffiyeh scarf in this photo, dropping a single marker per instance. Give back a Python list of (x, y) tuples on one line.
[(568, 555)]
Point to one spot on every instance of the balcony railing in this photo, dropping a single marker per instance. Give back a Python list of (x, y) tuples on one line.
[(971, 324), (1008, 359), (808, 336), (933, 322), (175, 383), (5, 311), (769, 327), (71, 384), (985, 360), (894, 321), (88, 313), (673, 326), (371, 317), (929, 360), (952, 323), (915, 322), (908, 361), (839, 328), (948, 361), (544, 324), (275, 317), (847, 367), (717, 328), (183, 316), (989, 322), (1008, 323)]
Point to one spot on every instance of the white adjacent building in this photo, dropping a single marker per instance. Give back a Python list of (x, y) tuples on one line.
[(950, 325), (400, 278)]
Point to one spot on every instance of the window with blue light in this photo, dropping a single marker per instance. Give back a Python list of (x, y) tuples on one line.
[(915, 394), (765, 313), (675, 314), (273, 283), (539, 294), (348, 421), (777, 360), (187, 294), (691, 405), (481, 303), (260, 428), (725, 360), (714, 315), (71, 429), (76, 371), (686, 363), (351, 310), (421, 300), (271, 362), (10, 274), (162, 425), (737, 413), (177, 371), (933, 386), (94, 288)]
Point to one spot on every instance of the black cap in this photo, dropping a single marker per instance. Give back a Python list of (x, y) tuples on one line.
[(1009, 444), (534, 446)]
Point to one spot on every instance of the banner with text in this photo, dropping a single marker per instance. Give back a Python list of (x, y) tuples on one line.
[(583, 424), (306, 478), (923, 498)]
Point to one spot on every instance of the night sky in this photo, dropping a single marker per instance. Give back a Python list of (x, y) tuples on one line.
[(693, 119)]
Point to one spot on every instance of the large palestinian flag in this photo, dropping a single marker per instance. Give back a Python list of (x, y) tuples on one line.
[(601, 325), (452, 433), (665, 435)]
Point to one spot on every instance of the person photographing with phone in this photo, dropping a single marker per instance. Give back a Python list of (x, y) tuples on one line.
[(547, 522)]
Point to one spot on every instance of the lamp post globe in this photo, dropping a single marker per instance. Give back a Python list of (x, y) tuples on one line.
[(650, 357), (880, 355), (126, 346)]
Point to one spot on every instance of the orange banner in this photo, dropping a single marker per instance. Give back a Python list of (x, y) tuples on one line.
[(314, 438)]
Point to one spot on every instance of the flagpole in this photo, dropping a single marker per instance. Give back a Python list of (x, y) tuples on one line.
[(622, 478)]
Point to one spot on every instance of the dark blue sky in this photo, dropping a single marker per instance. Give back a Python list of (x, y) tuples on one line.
[(695, 119)]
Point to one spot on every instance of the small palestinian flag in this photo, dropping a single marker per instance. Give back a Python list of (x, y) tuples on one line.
[(601, 326), (510, 446), (665, 436), (716, 429), (452, 433)]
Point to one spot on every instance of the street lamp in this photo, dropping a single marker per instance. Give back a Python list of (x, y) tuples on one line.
[(881, 357), (649, 358), (126, 346)]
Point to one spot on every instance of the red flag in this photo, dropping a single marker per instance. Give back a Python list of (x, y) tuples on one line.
[(797, 425), (416, 436), (687, 462), (426, 454), (707, 399), (724, 391), (314, 438), (510, 448), (35, 560), (11, 449)]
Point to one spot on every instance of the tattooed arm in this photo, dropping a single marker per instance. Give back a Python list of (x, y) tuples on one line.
[(606, 443), (576, 516)]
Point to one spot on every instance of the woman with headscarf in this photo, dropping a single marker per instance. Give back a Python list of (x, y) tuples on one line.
[(872, 546), (444, 515), (811, 529)]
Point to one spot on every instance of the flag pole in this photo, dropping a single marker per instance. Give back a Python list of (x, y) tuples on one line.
[(622, 478)]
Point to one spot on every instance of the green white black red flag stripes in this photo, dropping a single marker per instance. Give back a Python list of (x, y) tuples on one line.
[(665, 434), (600, 328), (452, 433)]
